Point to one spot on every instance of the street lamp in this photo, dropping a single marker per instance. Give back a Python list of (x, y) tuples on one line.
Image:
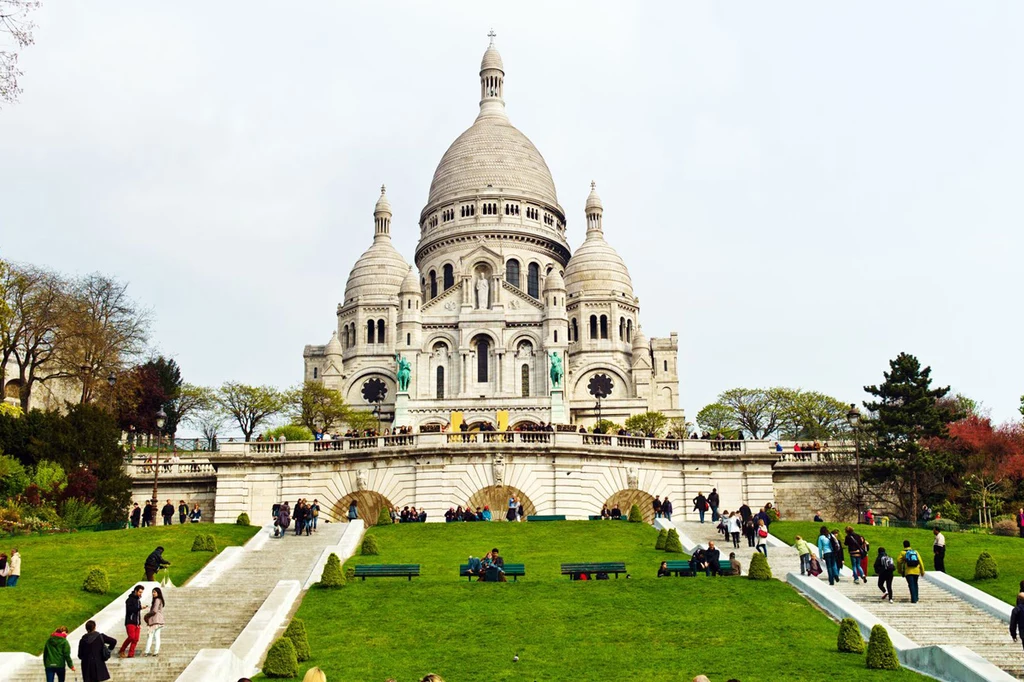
[(853, 418), (161, 419), (111, 379)]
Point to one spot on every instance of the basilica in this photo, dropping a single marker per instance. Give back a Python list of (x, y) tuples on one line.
[(495, 300)]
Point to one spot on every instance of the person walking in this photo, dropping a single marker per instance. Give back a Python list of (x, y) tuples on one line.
[(700, 505), (147, 514), (762, 537), (132, 622), (13, 568), (837, 551), (353, 511), (93, 652), (155, 621), (1017, 616), (733, 529), (284, 518), (182, 512), (666, 508), (855, 543), (804, 550), (884, 569), (510, 515), (911, 567), (939, 550), (656, 505), (167, 511), (825, 552), (154, 562), (713, 502), (3, 569), (136, 516), (1020, 521), (314, 512), (749, 527), (57, 655)]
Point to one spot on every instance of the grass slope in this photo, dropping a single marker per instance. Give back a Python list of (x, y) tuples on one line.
[(637, 629), (962, 550), (54, 567)]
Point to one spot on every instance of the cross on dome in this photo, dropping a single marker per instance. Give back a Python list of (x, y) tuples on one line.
[(492, 35)]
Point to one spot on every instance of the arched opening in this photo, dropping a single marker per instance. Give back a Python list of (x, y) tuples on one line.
[(533, 280), (525, 381), (315, 372), (449, 276), (496, 497), (627, 498), (370, 328), (575, 331), (368, 506), (622, 329), (440, 383), (483, 351), (344, 337), (380, 331), (593, 326), (512, 272), (629, 331), (604, 326), (433, 284)]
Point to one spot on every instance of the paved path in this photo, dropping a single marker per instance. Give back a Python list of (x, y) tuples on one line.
[(212, 617), (938, 618)]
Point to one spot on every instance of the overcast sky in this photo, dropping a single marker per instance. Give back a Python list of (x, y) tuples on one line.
[(801, 190)]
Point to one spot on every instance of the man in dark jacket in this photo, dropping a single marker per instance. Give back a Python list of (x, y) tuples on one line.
[(132, 622), (154, 562), (713, 501), (167, 512), (136, 515), (666, 508), (147, 514), (182, 511), (745, 512), (711, 557), (700, 504), (656, 506), (1017, 617), (90, 652)]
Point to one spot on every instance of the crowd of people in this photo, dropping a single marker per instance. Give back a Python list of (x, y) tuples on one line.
[(141, 517), (753, 526), (304, 515), (515, 511)]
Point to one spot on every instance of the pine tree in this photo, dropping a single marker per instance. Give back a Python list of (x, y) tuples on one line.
[(662, 537), (281, 660), (370, 546), (635, 515), (384, 517), (296, 632), (332, 576), (849, 640), (986, 568), (673, 544), (881, 655), (759, 568)]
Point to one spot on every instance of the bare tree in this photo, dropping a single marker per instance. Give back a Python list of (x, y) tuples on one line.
[(15, 22)]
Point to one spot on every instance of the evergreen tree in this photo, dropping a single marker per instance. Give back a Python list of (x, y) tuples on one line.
[(906, 412), (662, 537)]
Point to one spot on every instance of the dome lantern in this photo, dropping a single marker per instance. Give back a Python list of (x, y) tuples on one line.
[(492, 82), (382, 215), (593, 209)]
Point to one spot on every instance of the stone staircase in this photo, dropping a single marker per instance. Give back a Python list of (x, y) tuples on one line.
[(939, 617), (212, 617)]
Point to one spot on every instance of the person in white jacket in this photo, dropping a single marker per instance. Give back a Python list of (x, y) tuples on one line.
[(13, 568), (732, 525)]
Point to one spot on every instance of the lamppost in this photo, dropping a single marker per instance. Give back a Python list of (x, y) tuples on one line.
[(853, 418), (111, 381), (161, 418)]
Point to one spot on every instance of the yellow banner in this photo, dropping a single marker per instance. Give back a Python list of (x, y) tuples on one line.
[(456, 421), (502, 420)]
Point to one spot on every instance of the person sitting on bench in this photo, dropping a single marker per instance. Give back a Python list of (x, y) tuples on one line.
[(496, 569), (606, 513), (475, 566), (663, 571), (616, 512), (697, 562), (711, 558), (734, 565)]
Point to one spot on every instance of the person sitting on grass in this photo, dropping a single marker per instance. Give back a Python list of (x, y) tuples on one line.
[(663, 571)]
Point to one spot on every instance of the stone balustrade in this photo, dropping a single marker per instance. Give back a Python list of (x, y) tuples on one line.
[(190, 468)]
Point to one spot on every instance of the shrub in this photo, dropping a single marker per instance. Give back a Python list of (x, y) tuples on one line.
[(96, 582), (332, 576), (77, 514), (986, 568), (211, 543), (296, 632), (949, 510), (1006, 527), (773, 514), (672, 542), (281, 660), (290, 432), (370, 546), (242, 520), (634, 514), (849, 640), (759, 568), (945, 525), (662, 537), (384, 517), (881, 655), (199, 544)]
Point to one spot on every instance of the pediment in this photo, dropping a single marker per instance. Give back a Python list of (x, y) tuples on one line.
[(446, 302), (516, 299), (483, 252)]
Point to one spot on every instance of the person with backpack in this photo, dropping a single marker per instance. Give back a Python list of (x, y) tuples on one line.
[(837, 551), (911, 567), (700, 505), (884, 569), (57, 655), (825, 552), (762, 537), (855, 543)]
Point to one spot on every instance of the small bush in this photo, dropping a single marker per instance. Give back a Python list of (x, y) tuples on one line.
[(242, 520), (332, 576), (773, 514), (949, 510), (1007, 527), (945, 525), (986, 568), (672, 542), (759, 568), (77, 514), (370, 546), (384, 517), (211, 543), (96, 582), (199, 544), (281, 660), (849, 640), (634, 514), (296, 632), (881, 655), (662, 537)]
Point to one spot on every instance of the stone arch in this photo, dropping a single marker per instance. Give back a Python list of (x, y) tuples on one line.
[(626, 498), (523, 335), (354, 393), (496, 497), (368, 503), (13, 389), (431, 340), (475, 421), (623, 387), (520, 421)]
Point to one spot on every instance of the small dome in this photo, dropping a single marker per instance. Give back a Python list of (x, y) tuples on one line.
[(383, 205), (554, 282), (491, 60), (333, 346), (411, 283), (593, 200), (596, 268), (378, 272), (639, 340)]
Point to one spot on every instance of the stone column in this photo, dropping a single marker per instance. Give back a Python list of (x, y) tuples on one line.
[(465, 356), (499, 358)]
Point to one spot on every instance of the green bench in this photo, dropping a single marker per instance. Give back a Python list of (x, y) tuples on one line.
[(549, 517), (365, 571), (592, 568), (682, 568), (513, 570), (597, 517)]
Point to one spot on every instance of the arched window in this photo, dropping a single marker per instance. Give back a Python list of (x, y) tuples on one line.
[(525, 381), (370, 327), (483, 349), (344, 337), (433, 284), (380, 331), (449, 277), (440, 383), (408, 339), (593, 326), (574, 335), (556, 336), (666, 365), (314, 372), (352, 334), (533, 281), (622, 329), (604, 326), (629, 331), (512, 272)]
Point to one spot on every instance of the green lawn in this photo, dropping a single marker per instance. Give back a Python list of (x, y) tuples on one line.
[(642, 628), (53, 568), (962, 550)]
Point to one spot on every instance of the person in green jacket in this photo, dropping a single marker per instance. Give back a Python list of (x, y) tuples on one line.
[(57, 654)]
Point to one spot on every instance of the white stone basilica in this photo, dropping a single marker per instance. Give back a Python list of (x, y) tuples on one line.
[(499, 294)]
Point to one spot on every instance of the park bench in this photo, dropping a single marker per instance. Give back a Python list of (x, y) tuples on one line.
[(511, 570), (597, 517), (549, 517), (365, 571), (592, 569), (678, 568)]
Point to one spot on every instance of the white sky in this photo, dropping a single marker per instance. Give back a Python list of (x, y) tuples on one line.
[(802, 190)]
